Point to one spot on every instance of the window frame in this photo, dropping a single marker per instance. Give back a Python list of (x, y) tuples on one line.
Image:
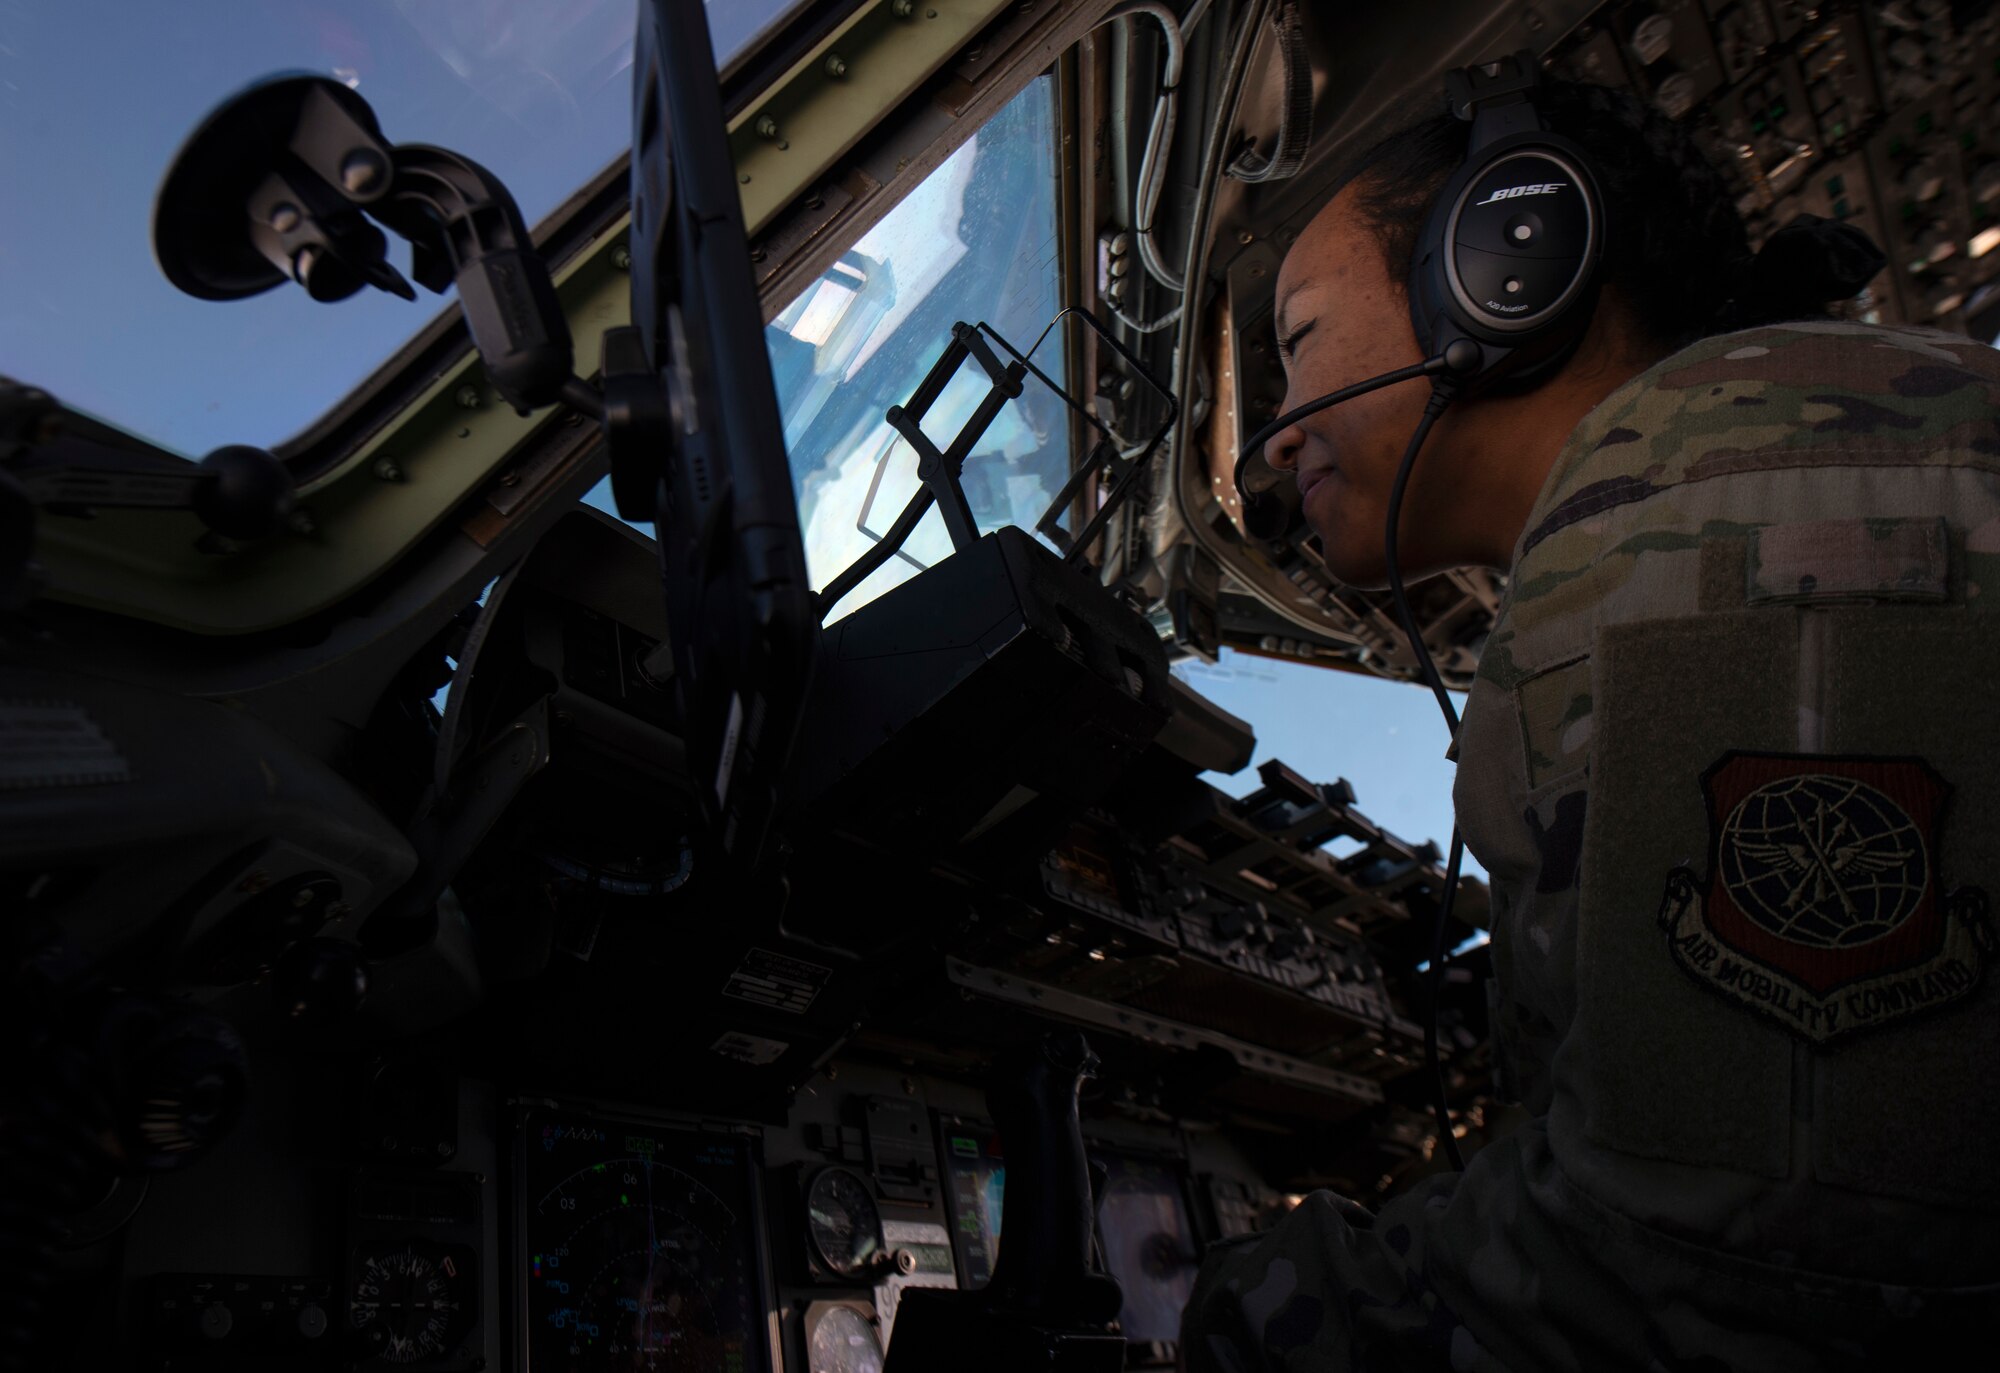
[(154, 566)]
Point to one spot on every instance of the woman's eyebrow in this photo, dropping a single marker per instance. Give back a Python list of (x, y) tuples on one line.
[(1278, 315)]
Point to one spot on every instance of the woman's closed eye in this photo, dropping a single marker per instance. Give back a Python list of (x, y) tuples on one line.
[(1288, 345)]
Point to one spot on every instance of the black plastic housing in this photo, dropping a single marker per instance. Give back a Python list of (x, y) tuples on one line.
[(980, 705)]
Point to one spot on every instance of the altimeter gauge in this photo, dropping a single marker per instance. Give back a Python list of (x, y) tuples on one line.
[(843, 1223)]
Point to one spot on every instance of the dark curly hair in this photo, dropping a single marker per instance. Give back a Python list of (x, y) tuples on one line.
[(1676, 254)]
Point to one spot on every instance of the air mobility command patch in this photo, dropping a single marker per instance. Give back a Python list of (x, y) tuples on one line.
[(1821, 908)]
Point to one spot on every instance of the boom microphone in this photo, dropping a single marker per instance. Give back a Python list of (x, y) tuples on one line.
[(1265, 514)]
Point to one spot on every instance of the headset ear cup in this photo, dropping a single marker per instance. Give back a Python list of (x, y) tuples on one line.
[(1429, 291), (1522, 216)]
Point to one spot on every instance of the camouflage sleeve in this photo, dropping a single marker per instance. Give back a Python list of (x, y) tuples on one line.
[(1273, 1300), (1329, 1289)]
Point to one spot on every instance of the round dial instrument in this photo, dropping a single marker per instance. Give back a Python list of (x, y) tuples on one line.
[(842, 1340), (408, 1304), (843, 1223)]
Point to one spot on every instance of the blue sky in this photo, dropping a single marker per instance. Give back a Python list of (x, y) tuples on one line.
[(1386, 738)]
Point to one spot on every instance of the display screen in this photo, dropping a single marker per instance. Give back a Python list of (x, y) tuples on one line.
[(638, 1248), (1143, 1229), (1142, 1223), (977, 1175)]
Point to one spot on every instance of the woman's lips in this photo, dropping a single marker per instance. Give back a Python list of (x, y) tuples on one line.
[(1311, 479)]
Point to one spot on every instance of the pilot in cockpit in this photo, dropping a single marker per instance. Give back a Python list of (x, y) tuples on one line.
[(732, 763), (1726, 761)]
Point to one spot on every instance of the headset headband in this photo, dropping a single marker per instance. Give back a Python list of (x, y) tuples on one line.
[(1509, 252)]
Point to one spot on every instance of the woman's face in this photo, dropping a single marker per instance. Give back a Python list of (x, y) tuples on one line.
[(1341, 320)]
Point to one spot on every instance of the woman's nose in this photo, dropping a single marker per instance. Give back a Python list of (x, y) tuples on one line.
[(1281, 450)]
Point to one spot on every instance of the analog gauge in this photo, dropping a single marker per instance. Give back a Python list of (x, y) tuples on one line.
[(840, 1339), (409, 1304), (845, 1227)]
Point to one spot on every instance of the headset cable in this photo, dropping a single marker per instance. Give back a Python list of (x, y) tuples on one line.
[(1444, 389)]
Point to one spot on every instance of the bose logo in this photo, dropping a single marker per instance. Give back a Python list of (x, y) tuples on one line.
[(1542, 188)]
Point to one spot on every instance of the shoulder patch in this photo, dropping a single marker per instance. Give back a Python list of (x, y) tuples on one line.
[(1821, 908)]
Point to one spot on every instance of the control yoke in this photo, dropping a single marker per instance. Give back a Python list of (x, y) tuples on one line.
[(1045, 1308)]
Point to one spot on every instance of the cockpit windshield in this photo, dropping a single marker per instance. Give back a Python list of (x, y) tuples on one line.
[(96, 95), (977, 240)]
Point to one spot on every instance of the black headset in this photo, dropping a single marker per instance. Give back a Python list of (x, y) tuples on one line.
[(1502, 287), (1503, 282)]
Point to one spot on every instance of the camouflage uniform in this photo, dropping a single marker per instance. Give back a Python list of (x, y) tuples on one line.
[(1731, 763)]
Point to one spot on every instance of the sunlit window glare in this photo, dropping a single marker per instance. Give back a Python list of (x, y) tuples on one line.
[(975, 241)]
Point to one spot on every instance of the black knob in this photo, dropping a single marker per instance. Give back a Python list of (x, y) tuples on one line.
[(249, 493), (319, 982)]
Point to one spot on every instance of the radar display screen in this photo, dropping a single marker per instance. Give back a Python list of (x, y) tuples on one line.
[(638, 1247), (977, 1176), (1142, 1223)]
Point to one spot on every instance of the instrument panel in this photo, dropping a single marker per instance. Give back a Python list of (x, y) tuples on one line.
[(516, 1182), (637, 1247), (646, 1242), (1880, 114)]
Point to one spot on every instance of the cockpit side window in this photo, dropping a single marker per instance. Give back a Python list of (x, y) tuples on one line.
[(976, 240)]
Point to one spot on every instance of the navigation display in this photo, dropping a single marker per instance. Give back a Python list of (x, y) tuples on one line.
[(637, 1248), (1142, 1222), (977, 1176)]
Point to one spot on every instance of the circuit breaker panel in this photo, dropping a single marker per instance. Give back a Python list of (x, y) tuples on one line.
[(1886, 116)]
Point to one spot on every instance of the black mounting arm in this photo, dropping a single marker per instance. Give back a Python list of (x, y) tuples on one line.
[(291, 178), (464, 228), (65, 464), (938, 469), (941, 471)]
